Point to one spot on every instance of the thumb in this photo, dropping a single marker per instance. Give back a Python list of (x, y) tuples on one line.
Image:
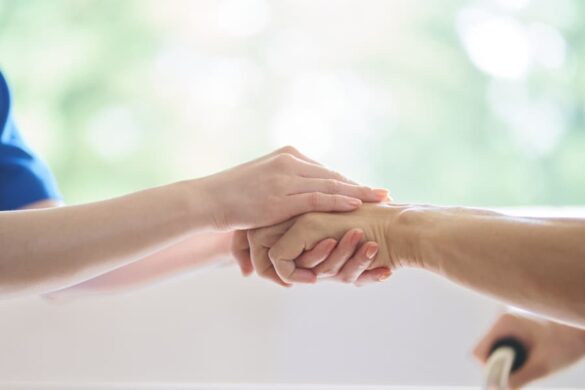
[(284, 252), (534, 368)]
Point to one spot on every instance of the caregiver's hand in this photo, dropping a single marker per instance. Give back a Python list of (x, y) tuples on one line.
[(279, 248), (277, 187), (551, 346)]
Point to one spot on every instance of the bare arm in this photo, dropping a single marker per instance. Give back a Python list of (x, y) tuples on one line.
[(192, 253), (534, 263), (49, 249)]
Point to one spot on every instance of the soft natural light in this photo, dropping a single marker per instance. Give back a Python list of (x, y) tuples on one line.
[(500, 46), (473, 103)]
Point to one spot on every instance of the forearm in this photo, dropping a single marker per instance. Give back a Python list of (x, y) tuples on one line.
[(43, 250), (534, 263), (188, 255)]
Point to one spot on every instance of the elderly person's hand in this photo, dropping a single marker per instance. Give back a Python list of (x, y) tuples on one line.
[(348, 260), (551, 346), (285, 252)]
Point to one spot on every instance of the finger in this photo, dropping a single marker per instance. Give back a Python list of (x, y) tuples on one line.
[(284, 252), (359, 262), (271, 274), (315, 168), (260, 260), (483, 348), (241, 251), (533, 369), (290, 273), (343, 252), (316, 171), (373, 276), (314, 257), (290, 246), (333, 186), (318, 201)]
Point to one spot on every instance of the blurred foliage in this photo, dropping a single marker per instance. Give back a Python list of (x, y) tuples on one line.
[(122, 95)]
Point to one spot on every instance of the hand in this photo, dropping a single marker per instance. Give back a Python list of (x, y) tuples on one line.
[(280, 186), (347, 261), (275, 250), (551, 346)]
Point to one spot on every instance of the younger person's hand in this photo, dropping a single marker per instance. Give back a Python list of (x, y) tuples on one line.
[(277, 187)]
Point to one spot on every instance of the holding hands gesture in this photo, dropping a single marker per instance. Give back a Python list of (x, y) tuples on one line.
[(349, 247), (280, 187)]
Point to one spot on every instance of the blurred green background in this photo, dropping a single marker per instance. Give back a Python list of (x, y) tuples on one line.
[(452, 102)]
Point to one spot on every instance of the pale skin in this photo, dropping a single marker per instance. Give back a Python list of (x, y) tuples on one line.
[(50, 249), (537, 264), (551, 346)]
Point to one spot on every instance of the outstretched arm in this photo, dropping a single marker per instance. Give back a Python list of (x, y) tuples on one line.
[(191, 254), (188, 255), (534, 263), (49, 249)]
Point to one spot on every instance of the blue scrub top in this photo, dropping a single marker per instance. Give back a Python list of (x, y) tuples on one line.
[(24, 178)]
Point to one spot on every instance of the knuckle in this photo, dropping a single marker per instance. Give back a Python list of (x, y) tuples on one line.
[(338, 176), (333, 186), (364, 192), (282, 161), (363, 261), (335, 201), (315, 200), (288, 149)]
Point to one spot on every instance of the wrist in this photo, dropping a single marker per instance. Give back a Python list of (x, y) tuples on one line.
[(440, 229), (201, 204), (411, 236)]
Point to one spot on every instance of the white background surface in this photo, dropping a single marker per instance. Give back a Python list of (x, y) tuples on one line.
[(216, 326), (232, 387)]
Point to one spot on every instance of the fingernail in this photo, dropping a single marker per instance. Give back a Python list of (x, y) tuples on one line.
[(371, 251), (385, 275), (381, 194)]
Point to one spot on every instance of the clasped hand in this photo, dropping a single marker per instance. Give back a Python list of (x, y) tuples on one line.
[(348, 245)]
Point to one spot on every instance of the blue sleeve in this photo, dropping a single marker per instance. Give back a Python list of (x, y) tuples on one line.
[(24, 178)]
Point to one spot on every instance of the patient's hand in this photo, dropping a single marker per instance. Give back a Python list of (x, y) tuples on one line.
[(280, 252), (348, 260)]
